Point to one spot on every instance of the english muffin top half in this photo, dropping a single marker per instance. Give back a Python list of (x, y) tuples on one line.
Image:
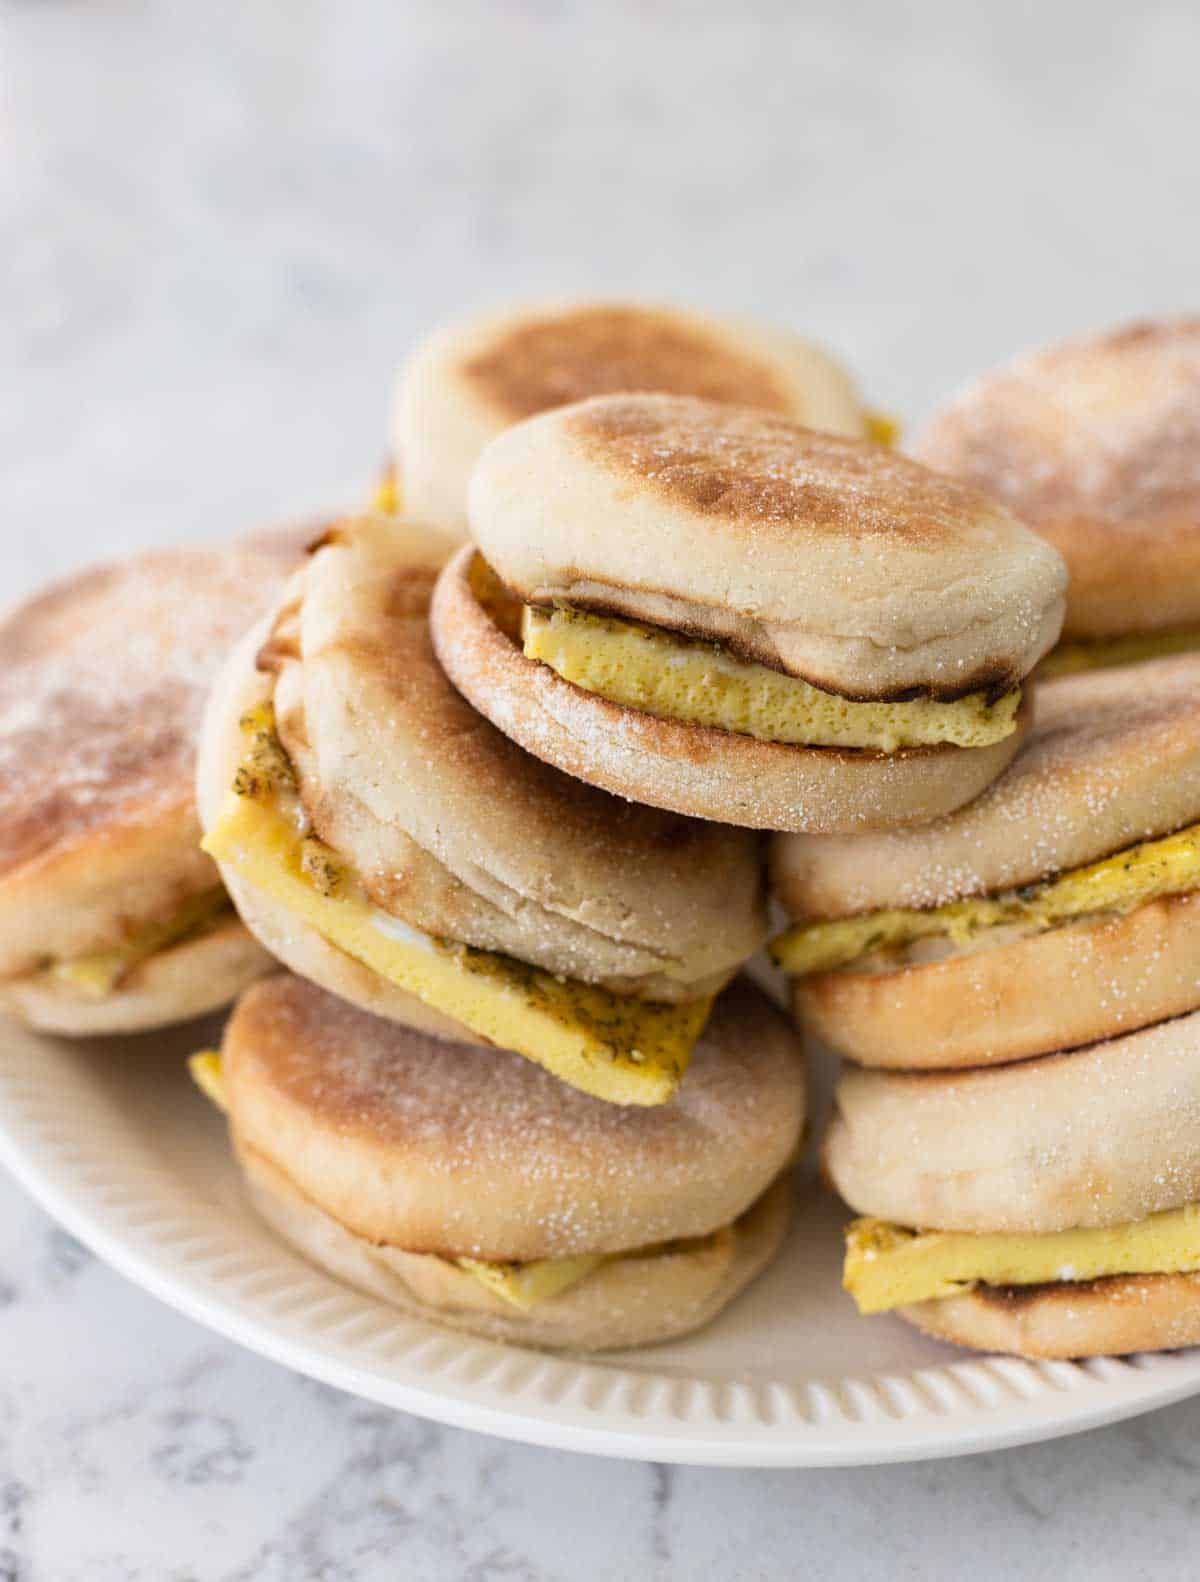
[(1094, 443), (1090, 1138), (475, 378), (102, 684), (835, 561), (390, 820)]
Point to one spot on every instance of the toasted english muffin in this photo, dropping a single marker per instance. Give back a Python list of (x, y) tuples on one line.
[(729, 599), (1057, 909), (828, 558), (468, 1186), (111, 918), (1093, 442), (1049, 1208), (453, 842), (692, 769), (475, 378)]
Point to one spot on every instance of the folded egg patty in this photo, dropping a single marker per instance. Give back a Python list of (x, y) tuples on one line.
[(1116, 884), (625, 1050), (701, 682), (889, 1266)]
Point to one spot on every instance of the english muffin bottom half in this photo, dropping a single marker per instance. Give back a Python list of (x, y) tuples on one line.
[(1049, 1208), (1058, 909), (717, 611), (476, 377), (1093, 443), (384, 839), (471, 1187), (111, 918)]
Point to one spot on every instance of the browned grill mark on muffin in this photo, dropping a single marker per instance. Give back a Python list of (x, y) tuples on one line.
[(767, 471), (606, 349), (1104, 429), (102, 681)]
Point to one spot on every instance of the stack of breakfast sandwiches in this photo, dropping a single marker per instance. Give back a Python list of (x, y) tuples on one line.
[(475, 803)]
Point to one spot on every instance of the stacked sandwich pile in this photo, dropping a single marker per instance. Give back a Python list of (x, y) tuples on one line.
[(1018, 983), (485, 769)]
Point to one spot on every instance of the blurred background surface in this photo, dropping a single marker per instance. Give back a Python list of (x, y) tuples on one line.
[(221, 225)]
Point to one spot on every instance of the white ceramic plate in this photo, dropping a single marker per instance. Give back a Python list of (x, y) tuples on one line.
[(114, 1142)]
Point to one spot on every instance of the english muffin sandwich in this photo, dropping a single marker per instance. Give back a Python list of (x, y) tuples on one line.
[(714, 610), (475, 378), (111, 918), (383, 839), (1050, 1208), (468, 1186), (1093, 443), (1059, 908)]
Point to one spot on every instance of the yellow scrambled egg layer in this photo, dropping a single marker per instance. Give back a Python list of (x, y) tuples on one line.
[(702, 683), (522, 1285), (883, 428), (205, 1071), (385, 497), (1115, 884), (625, 1050), (888, 1266)]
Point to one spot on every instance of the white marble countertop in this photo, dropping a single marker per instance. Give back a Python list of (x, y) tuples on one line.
[(219, 227)]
